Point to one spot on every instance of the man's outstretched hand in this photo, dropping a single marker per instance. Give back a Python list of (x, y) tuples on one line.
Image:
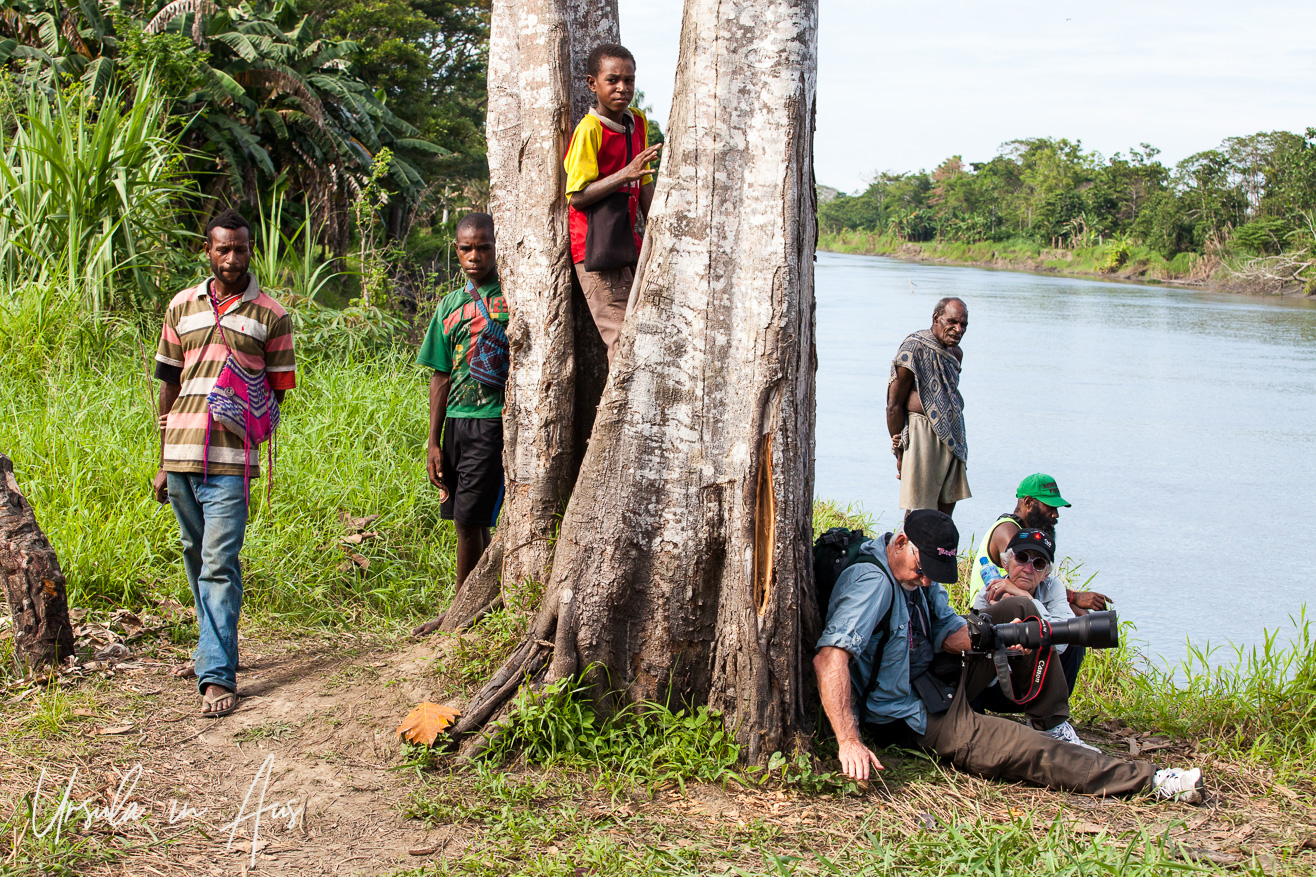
[(1090, 600), (857, 759)]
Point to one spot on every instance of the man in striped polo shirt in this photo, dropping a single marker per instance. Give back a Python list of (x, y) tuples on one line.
[(203, 467)]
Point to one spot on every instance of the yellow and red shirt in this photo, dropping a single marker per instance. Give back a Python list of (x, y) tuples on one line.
[(598, 149)]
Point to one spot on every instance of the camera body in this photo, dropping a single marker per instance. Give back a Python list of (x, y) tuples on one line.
[(1096, 630)]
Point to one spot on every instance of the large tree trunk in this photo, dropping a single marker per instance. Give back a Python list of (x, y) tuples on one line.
[(34, 583), (558, 362), (682, 567)]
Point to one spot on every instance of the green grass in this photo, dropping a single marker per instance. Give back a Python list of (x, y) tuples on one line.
[(552, 823), (77, 418), (650, 743)]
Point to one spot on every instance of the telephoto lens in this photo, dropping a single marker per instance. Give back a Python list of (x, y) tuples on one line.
[(1096, 630)]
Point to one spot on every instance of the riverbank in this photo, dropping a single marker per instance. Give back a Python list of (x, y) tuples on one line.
[(1108, 261)]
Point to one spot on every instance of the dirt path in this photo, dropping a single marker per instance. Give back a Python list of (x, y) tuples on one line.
[(315, 733), (318, 721)]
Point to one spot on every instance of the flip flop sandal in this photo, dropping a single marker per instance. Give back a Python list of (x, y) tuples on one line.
[(208, 702)]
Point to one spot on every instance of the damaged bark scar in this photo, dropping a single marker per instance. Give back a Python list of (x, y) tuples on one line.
[(765, 528)]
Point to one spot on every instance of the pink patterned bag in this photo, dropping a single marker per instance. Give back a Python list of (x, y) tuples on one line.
[(243, 403)]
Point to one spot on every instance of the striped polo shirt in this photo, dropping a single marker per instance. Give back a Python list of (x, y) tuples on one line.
[(258, 330)]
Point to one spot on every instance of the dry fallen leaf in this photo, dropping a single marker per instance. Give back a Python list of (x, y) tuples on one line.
[(352, 523), (362, 562), (86, 714), (115, 729), (425, 723), (1088, 828), (358, 538), (128, 622)]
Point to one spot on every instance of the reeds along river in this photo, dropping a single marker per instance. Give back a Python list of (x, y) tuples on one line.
[(1180, 424)]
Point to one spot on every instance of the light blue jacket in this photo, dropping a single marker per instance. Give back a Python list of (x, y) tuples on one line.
[(860, 599)]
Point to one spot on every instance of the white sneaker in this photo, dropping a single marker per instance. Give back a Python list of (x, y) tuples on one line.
[(1065, 733), (1180, 785)]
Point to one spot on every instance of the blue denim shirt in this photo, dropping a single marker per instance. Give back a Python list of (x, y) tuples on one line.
[(858, 602)]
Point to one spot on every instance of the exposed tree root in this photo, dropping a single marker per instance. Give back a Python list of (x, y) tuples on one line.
[(527, 662)]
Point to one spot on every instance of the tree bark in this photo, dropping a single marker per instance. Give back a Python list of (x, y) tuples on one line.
[(34, 583), (559, 364), (590, 23), (686, 540)]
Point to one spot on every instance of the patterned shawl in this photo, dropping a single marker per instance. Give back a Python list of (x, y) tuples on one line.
[(937, 378)]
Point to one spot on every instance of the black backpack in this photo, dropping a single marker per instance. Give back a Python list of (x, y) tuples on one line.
[(833, 553)]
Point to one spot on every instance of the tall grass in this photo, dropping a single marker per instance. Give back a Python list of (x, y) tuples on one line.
[(1258, 705), (81, 431), (88, 189)]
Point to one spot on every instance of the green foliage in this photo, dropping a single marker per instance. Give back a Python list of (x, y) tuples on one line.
[(1117, 253), (801, 772), (262, 92), (558, 724), (1020, 848), (78, 421), (1248, 195), (428, 60), (88, 187), (1262, 237)]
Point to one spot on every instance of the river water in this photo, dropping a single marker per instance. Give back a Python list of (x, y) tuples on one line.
[(1180, 424)]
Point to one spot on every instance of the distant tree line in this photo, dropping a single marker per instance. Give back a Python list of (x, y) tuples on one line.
[(1254, 194)]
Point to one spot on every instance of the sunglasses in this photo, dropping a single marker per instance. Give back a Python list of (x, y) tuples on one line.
[(1036, 561)]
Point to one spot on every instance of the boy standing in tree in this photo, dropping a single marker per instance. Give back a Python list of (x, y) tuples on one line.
[(601, 163), (465, 449)]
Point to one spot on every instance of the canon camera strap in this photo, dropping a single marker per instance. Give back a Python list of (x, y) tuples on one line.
[(1001, 658)]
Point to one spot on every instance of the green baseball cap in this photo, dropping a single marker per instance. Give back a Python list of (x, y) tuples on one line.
[(1041, 487)]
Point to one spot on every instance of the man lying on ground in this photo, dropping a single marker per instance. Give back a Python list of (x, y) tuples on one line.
[(884, 681)]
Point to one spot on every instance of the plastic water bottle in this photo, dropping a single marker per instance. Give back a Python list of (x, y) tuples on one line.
[(989, 571)]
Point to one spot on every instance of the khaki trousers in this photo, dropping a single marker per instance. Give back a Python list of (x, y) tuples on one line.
[(999, 748), (930, 473), (606, 293)]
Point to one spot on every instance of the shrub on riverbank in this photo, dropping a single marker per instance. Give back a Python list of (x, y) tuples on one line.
[(1115, 259)]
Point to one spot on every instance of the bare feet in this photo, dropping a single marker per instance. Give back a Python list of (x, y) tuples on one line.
[(185, 670), (429, 627)]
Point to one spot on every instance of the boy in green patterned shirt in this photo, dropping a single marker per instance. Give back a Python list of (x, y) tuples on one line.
[(464, 458)]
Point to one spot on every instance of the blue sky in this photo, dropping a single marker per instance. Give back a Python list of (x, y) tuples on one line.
[(901, 86)]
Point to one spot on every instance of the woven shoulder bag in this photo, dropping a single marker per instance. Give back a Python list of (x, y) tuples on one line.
[(491, 357), (243, 403)]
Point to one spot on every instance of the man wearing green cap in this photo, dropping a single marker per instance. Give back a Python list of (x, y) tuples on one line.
[(1038, 508)]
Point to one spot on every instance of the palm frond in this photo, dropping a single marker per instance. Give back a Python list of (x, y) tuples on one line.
[(99, 75), (421, 146), (177, 8)]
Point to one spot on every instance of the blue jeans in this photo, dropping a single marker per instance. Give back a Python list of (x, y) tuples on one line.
[(212, 518)]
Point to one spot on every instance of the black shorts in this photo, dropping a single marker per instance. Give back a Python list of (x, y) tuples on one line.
[(472, 470)]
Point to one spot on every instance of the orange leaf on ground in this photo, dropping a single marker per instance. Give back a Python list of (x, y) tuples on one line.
[(426, 722)]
